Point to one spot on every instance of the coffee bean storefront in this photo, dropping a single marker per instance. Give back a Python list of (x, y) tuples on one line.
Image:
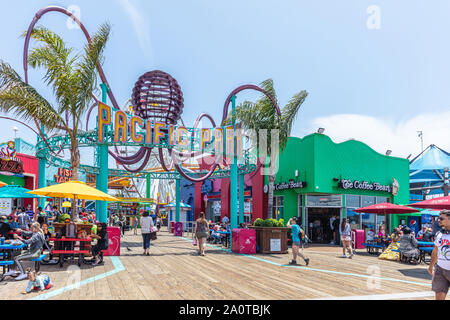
[(319, 180)]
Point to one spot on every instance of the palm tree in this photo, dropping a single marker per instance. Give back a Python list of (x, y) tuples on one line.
[(262, 115), (73, 78)]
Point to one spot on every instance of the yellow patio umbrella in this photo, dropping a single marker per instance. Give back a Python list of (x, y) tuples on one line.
[(74, 190)]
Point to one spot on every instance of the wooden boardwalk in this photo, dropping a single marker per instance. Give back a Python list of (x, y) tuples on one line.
[(175, 271)]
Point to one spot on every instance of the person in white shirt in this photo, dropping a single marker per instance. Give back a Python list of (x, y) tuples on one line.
[(146, 225), (370, 235), (440, 258), (332, 229)]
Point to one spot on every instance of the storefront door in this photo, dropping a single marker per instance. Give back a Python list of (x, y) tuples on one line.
[(318, 220)]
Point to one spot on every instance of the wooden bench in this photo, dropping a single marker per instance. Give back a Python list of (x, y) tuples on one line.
[(62, 253), (424, 251), (4, 264), (37, 262), (373, 248)]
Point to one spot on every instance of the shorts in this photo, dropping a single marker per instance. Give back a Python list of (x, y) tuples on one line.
[(346, 238), (441, 280), (200, 235), (297, 244)]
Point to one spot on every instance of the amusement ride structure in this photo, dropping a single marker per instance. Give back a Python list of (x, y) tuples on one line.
[(156, 107)]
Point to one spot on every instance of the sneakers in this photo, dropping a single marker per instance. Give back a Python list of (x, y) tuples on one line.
[(21, 277), (293, 262), (344, 256), (10, 273), (307, 261), (350, 256)]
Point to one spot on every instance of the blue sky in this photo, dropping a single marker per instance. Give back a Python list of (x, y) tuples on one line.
[(379, 86)]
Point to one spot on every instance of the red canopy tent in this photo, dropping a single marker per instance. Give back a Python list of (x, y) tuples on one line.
[(387, 208), (442, 203)]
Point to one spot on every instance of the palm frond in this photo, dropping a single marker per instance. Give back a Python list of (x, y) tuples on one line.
[(24, 101), (289, 114)]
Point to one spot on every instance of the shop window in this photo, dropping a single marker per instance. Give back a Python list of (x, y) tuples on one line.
[(354, 219), (334, 200), (383, 200), (368, 222), (278, 207), (353, 201), (367, 201), (381, 221)]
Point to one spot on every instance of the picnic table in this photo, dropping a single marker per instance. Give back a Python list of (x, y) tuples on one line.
[(227, 236), (6, 253), (425, 248), (82, 251)]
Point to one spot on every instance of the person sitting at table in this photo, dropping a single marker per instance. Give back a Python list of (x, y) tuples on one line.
[(40, 216), (23, 219), (12, 223), (68, 231), (408, 246), (421, 232), (4, 227), (370, 236), (35, 245), (428, 235), (102, 242)]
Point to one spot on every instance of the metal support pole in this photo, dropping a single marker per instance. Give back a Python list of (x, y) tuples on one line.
[(234, 172), (148, 187), (178, 200), (102, 178), (241, 198), (446, 182), (42, 181)]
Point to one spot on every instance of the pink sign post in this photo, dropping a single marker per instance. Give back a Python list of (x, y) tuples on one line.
[(114, 242), (178, 229)]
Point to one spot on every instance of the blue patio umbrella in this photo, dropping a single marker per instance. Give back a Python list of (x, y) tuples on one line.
[(16, 192)]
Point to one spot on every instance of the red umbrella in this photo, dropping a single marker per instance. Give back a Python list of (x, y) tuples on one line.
[(442, 203), (386, 208)]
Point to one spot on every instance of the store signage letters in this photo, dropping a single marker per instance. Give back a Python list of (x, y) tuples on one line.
[(64, 175), (290, 185), (129, 128), (8, 160), (364, 185)]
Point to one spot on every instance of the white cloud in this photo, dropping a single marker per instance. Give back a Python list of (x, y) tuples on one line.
[(140, 23), (382, 134)]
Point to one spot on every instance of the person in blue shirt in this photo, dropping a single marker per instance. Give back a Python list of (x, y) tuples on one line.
[(292, 224), (13, 224), (30, 212)]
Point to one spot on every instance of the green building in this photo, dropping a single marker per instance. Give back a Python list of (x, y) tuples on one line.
[(318, 179)]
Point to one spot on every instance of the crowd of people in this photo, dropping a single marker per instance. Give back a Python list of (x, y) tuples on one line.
[(36, 228)]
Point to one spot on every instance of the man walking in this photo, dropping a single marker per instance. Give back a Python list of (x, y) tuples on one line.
[(440, 258), (292, 224)]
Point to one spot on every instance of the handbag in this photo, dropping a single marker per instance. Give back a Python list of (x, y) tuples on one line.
[(153, 229), (194, 241), (153, 236)]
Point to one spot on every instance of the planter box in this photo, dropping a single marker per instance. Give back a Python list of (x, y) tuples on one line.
[(271, 240)]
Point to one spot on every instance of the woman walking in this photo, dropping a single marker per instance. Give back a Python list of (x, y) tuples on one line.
[(201, 232), (146, 224), (346, 238), (135, 224)]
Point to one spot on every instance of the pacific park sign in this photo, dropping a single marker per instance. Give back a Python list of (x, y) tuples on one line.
[(131, 128)]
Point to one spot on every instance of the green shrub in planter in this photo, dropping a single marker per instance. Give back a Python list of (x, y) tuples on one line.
[(258, 222)]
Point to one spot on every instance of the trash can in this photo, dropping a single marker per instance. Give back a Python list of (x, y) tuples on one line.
[(178, 229), (114, 234), (172, 227), (244, 241)]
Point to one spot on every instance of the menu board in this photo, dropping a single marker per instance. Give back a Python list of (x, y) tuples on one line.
[(5, 206)]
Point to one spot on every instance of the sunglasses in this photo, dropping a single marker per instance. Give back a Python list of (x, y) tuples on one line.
[(441, 219)]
